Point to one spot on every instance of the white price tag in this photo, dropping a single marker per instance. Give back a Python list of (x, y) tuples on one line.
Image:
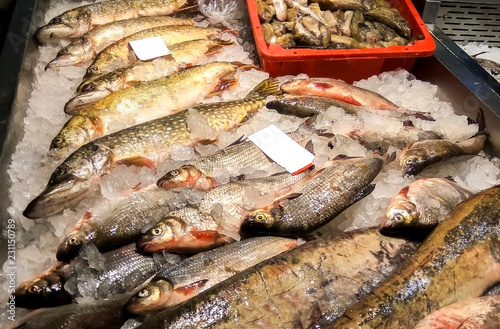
[(149, 48), (282, 149)]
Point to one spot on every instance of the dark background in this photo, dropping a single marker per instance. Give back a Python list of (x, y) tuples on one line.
[(6, 8)]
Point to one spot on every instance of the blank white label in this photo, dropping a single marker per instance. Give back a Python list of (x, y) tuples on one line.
[(149, 48), (282, 149)]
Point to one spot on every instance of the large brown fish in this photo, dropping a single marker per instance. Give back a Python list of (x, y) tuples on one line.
[(419, 155), (422, 205), (335, 187), (476, 313), (76, 22), (457, 261), (115, 272), (188, 278), (317, 279), (141, 145), (116, 225), (191, 230)]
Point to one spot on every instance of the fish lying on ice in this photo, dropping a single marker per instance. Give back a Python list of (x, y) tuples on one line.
[(183, 54), (422, 205), (143, 102), (319, 278), (86, 47), (197, 273), (336, 186), (76, 22), (475, 313), (116, 272), (193, 229), (145, 144), (443, 270), (421, 154), (201, 172)]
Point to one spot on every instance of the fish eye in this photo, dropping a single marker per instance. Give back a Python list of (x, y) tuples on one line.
[(143, 293), (156, 231), (88, 87), (74, 241), (93, 69), (63, 51), (95, 148), (174, 172), (410, 161), (55, 20), (34, 289), (57, 141), (398, 217), (260, 218)]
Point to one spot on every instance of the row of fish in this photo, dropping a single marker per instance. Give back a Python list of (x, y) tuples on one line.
[(332, 24)]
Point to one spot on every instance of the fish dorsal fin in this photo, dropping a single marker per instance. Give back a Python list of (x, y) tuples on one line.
[(192, 288), (289, 196), (267, 87)]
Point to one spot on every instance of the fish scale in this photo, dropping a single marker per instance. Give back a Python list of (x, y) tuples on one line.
[(319, 278)]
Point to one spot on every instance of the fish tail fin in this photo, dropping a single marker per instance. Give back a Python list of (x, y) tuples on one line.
[(265, 88)]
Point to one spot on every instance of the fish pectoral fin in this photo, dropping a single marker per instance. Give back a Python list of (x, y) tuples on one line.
[(223, 85), (364, 193), (139, 162), (209, 235), (192, 289)]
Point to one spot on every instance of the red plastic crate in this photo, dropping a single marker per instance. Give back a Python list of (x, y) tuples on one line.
[(346, 64)]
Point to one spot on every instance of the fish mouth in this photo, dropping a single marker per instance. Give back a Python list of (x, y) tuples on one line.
[(56, 198), (53, 33), (80, 102), (146, 245), (61, 61), (65, 253)]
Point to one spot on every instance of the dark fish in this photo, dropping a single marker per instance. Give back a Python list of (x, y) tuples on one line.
[(335, 187), (476, 313), (341, 4), (457, 261), (317, 279), (422, 205), (188, 278), (419, 155), (307, 106), (392, 18)]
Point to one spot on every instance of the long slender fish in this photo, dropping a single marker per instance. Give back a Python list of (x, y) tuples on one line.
[(188, 278), (116, 225), (335, 187), (294, 289), (101, 314), (419, 155), (191, 230), (119, 53), (443, 271), (86, 47), (200, 173), (476, 313), (342, 91), (117, 271), (182, 54), (422, 205), (142, 145), (76, 22), (143, 102)]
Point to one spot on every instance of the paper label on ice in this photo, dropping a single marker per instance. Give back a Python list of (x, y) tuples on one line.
[(149, 48), (282, 149)]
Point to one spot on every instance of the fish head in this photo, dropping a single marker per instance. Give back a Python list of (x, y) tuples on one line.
[(70, 24), (75, 133), (84, 100), (70, 181), (400, 214), (70, 247), (47, 290), (262, 221), (75, 53), (92, 72), (413, 161), (185, 176), (162, 236), (154, 297)]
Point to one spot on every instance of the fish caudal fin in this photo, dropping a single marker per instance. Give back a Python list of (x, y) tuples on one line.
[(266, 88)]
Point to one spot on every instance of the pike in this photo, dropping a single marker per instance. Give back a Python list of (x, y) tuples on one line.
[(76, 22), (145, 144)]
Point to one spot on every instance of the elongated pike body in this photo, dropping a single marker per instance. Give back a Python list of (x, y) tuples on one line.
[(76, 22), (142, 145), (442, 271), (295, 289)]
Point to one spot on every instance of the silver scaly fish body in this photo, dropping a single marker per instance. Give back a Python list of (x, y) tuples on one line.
[(295, 289), (76, 22), (186, 279)]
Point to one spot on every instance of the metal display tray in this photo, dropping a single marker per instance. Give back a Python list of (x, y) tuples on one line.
[(461, 82)]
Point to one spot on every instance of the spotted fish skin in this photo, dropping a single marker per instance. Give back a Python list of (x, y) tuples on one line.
[(442, 271), (295, 289)]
